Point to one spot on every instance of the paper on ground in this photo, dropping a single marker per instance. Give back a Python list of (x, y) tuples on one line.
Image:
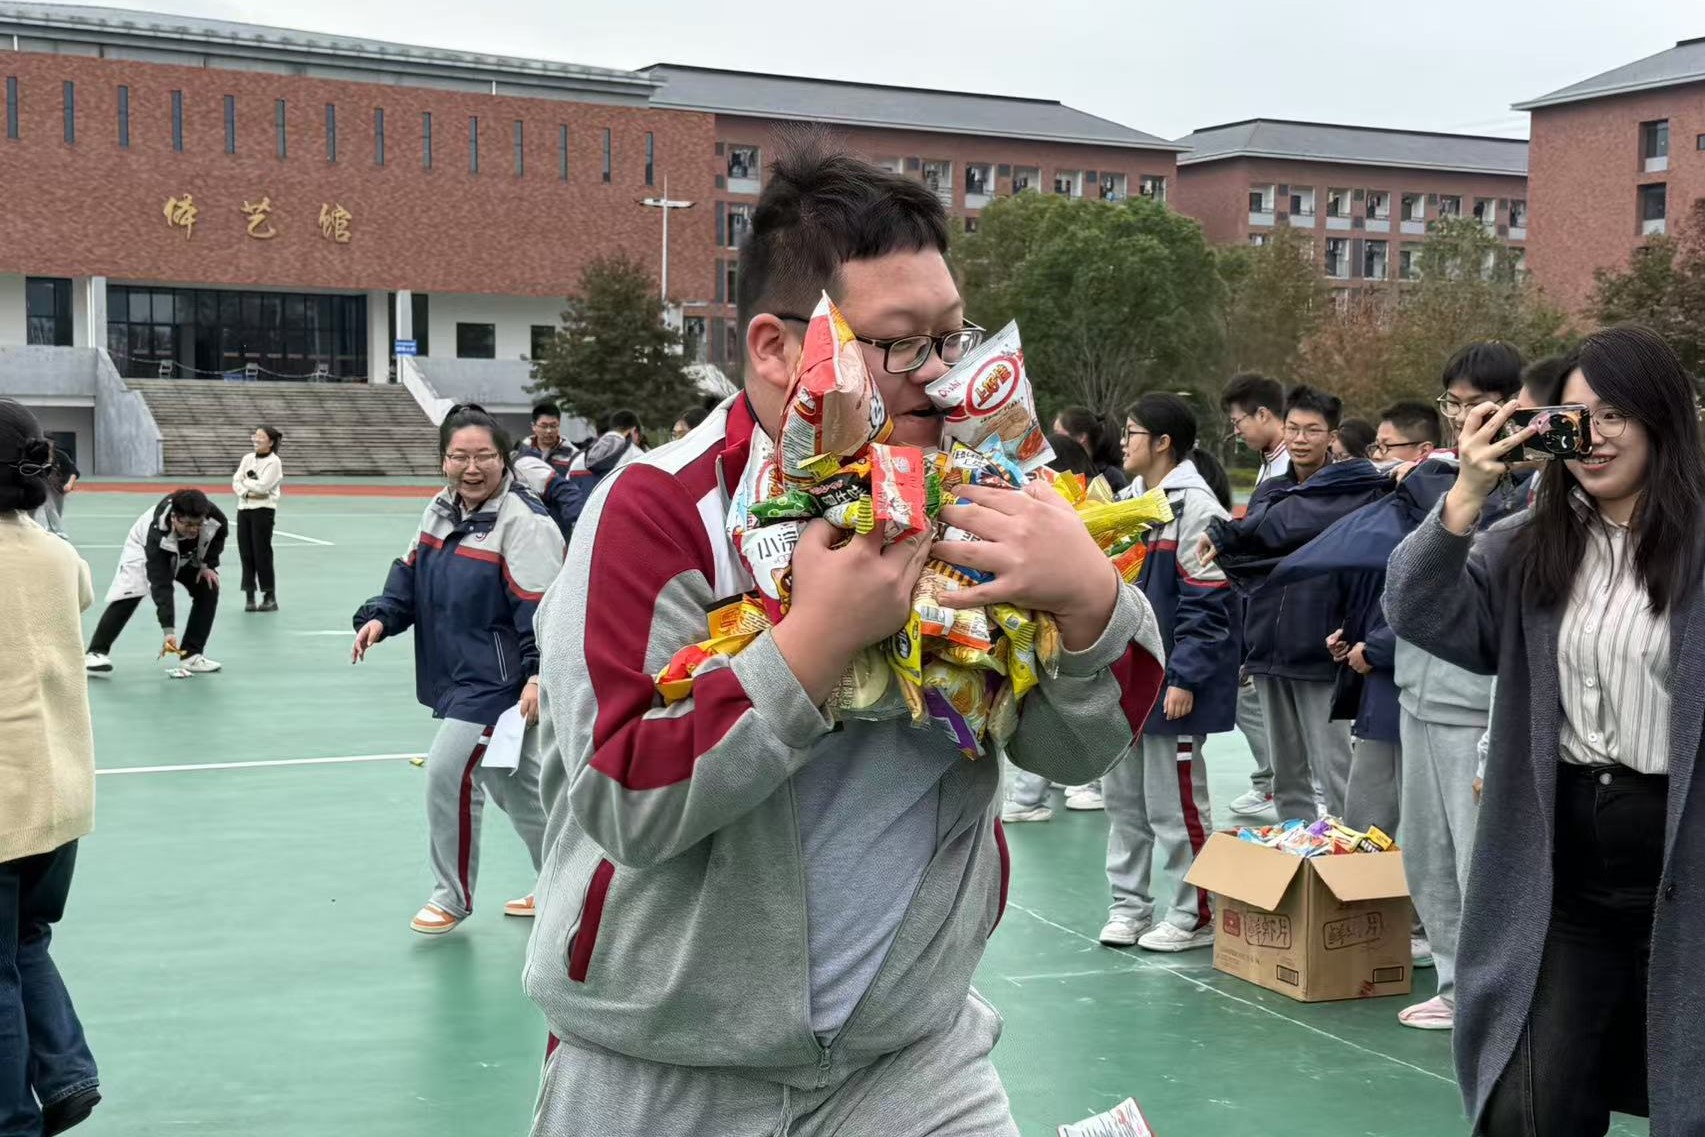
[(503, 752), (1123, 1120)]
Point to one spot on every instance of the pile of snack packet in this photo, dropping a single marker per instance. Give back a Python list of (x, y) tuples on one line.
[(963, 670), (1326, 837)]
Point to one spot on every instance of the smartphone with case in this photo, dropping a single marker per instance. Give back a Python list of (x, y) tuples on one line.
[(1564, 431)]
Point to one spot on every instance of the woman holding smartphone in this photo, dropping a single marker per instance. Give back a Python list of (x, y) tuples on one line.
[(1584, 919)]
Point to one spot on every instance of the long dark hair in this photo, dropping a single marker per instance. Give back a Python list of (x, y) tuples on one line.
[(1632, 369), (472, 414), (1103, 438), (1355, 435), (1070, 457), (26, 459), (1162, 414)]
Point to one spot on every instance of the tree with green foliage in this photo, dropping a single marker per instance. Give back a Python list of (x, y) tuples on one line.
[(1112, 298), (1663, 287), (1275, 299), (614, 351), (1391, 341)]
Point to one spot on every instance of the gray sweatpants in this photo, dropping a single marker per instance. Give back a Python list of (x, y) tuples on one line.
[(1438, 831), (941, 1086), (456, 787), (1376, 782), (1254, 727), (1305, 745), (1158, 795)]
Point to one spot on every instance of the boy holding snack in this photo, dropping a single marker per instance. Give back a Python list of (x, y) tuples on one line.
[(752, 920)]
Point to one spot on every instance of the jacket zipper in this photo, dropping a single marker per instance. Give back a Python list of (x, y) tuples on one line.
[(502, 664)]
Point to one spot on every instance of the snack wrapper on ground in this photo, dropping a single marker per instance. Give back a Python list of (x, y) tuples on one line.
[(988, 395), (834, 408)]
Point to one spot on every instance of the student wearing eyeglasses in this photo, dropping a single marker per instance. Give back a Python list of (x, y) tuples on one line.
[(473, 576)]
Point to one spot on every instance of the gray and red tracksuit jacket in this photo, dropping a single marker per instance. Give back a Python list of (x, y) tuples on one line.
[(672, 910)]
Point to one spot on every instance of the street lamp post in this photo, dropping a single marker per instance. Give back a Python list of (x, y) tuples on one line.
[(666, 205)]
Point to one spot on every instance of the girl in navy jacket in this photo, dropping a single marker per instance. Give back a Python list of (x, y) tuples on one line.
[(473, 577), (1158, 794)]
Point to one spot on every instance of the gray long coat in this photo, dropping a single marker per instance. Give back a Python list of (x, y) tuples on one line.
[(1465, 606)]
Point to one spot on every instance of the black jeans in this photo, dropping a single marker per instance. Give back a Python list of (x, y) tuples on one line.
[(254, 546), (1582, 1054), (203, 603), (43, 1054)]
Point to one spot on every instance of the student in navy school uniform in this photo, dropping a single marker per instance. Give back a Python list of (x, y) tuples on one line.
[(1158, 793)]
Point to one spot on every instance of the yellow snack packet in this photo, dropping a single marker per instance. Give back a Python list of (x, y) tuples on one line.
[(1109, 522), (744, 616)]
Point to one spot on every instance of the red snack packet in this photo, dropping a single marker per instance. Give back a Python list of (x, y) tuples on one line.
[(834, 408), (897, 492)]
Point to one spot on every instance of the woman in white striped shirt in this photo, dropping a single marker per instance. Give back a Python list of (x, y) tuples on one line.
[(1578, 602)]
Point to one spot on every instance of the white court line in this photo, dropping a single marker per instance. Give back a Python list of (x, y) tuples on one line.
[(345, 632), (1139, 964), (194, 766), (299, 537)]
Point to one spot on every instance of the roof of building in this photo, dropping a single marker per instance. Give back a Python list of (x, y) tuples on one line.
[(1356, 146), (155, 37), (837, 102), (1683, 63)]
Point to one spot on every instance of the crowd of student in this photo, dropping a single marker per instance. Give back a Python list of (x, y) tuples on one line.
[(753, 919)]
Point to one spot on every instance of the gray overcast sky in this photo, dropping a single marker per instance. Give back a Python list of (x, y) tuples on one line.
[(1162, 67)]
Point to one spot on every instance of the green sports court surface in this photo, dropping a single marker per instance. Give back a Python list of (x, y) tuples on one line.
[(238, 939)]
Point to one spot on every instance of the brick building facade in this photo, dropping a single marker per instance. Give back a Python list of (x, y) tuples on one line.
[(1364, 196), (1616, 159)]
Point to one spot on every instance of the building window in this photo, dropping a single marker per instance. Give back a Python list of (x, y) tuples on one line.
[(278, 128), (47, 310), (1153, 187), (378, 136), (1408, 267), (739, 224), (1068, 183), (1518, 213), (1026, 178), (732, 344), (650, 159), (693, 345), (745, 171), (70, 90), (1261, 201), (1450, 205), (938, 179), (1379, 205), (979, 184), (1337, 203), (540, 340), (1699, 142), (1337, 258), (426, 140), (1654, 145), (230, 124), (562, 153), (213, 331), (1113, 187), (476, 341), (1374, 256), (1486, 211), (474, 144), (607, 155), (970, 225), (178, 121), (11, 106), (520, 149), (1302, 201), (331, 132), (124, 118), (1257, 240), (731, 280), (1653, 202), (1414, 207)]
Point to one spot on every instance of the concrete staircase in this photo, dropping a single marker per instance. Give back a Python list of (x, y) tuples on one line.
[(330, 429)]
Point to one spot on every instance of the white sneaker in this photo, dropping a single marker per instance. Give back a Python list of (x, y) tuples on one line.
[(1014, 811), (97, 664), (1123, 931), (1252, 804), (201, 665), (1084, 798), (1420, 952), (1170, 937)]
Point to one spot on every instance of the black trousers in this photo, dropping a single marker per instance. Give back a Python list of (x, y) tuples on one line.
[(1582, 1054), (254, 546), (203, 603)]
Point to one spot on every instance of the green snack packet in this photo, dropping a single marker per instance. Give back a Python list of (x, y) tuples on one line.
[(792, 505)]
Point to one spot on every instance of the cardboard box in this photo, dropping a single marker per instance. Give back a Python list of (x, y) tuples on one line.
[(1313, 928)]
